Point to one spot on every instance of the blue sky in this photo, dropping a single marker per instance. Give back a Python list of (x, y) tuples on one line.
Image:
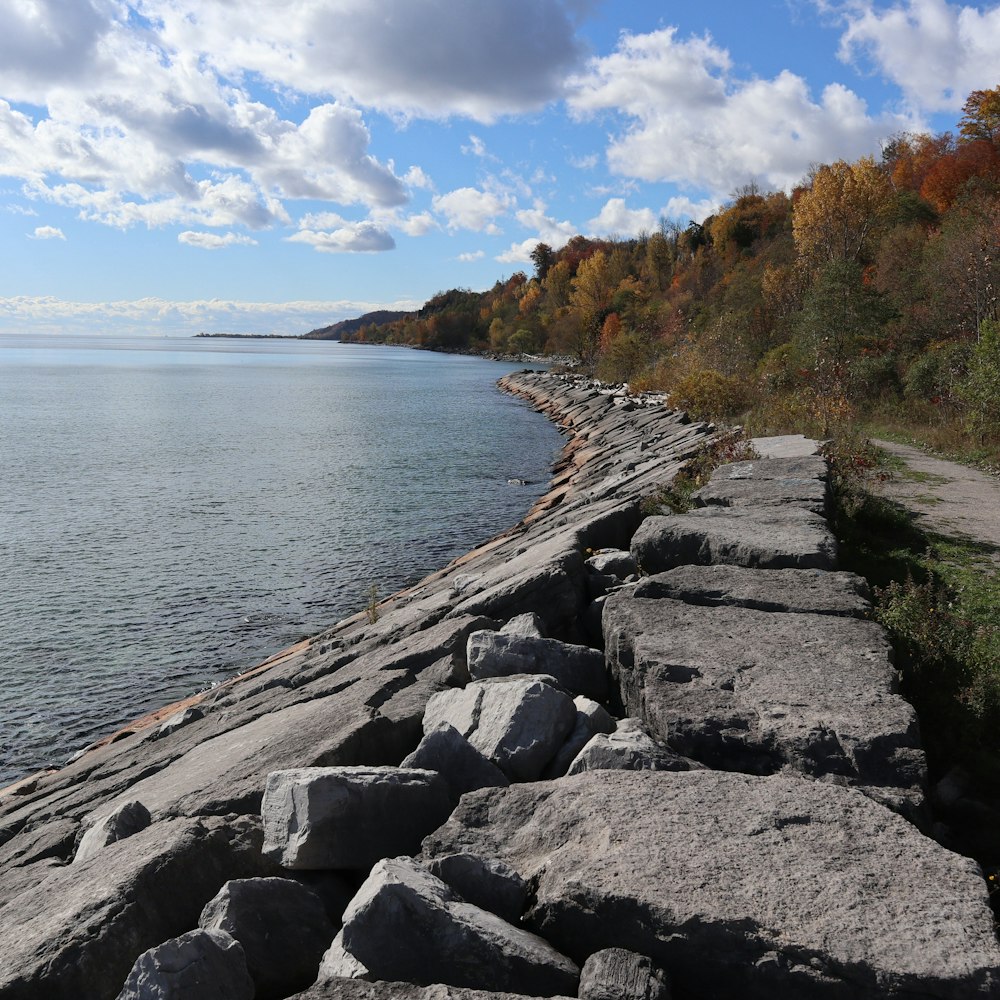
[(172, 166)]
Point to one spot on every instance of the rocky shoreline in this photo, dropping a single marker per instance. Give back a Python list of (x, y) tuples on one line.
[(606, 754)]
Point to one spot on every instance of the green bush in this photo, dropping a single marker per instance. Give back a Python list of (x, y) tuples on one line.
[(981, 387)]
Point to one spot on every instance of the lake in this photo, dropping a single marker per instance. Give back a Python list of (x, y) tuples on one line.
[(173, 511)]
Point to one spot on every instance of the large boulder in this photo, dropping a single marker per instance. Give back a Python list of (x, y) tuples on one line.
[(281, 927), (617, 974), (755, 691), (740, 886), (406, 924), (198, 965), (101, 914), (763, 538), (578, 669), (349, 817), (517, 722), (484, 882), (460, 764), (798, 482)]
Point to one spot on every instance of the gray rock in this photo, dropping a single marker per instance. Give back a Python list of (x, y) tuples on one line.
[(811, 591), (199, 965), (754, 691), (349, 817), (617, 974), (77, 931), (127, 819), (740, 886), (528, 625), (484, 882), (178, 720), (281, 927), (591, 719), (785, 446), (459, 763), (612, 562), (803, 468), (519, 723), (782, 538), (354, 989), (406, 924), (578, 669), (628, 749), (809, 494)]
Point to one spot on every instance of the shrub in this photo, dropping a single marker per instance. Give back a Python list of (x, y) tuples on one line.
[(710, 395)]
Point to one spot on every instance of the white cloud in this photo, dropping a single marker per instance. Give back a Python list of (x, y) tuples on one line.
[(937, 52), (47, 233), (213, 241), (615, 219), (691, 121), (478, 148), (587, 162), (417, 225), (473, 255), (429, 58), (340, 236), (470, 208), (517, 253), (684, 210), (160, 317), (550, 231), (416, 178)]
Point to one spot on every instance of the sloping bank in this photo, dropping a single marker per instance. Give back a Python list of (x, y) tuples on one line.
[(536, 772)]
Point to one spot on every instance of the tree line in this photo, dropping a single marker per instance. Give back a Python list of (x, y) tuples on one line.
[(870, 290)]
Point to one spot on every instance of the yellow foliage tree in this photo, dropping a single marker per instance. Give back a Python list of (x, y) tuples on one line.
[(840, 217)]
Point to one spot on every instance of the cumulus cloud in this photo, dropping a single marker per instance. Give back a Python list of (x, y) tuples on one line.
[(470, 208), (618, 220), (160, 317), (467, 258), (428, 58), (129, 126), (47, 233), (517, 253), (340, 236), (683, 210), (213, 241), (691, 121), (549, 230), (936, 52)]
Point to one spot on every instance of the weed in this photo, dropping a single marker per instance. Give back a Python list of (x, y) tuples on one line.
[(677, 496), (371, 604)]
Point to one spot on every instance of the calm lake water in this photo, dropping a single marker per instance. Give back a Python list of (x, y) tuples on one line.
[(173, 511)]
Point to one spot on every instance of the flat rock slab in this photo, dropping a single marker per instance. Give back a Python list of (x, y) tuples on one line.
[(800, 469), (353, 989), (349, 817), (755, 691), (741, 886), (785, 446), (807, 591), (764, 538), (809, 494)]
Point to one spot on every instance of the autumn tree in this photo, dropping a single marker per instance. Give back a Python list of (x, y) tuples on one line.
[(840, 217), (981, 116), (591, 298)]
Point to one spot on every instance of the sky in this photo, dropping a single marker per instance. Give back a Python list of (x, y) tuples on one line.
[(169, 167)]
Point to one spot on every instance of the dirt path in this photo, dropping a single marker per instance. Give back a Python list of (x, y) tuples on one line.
[(947, 498)]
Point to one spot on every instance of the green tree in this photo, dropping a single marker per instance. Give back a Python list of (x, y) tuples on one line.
[(981, 388)]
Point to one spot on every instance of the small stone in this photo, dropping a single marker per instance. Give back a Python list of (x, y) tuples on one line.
[(128, 819), (617, 974)]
